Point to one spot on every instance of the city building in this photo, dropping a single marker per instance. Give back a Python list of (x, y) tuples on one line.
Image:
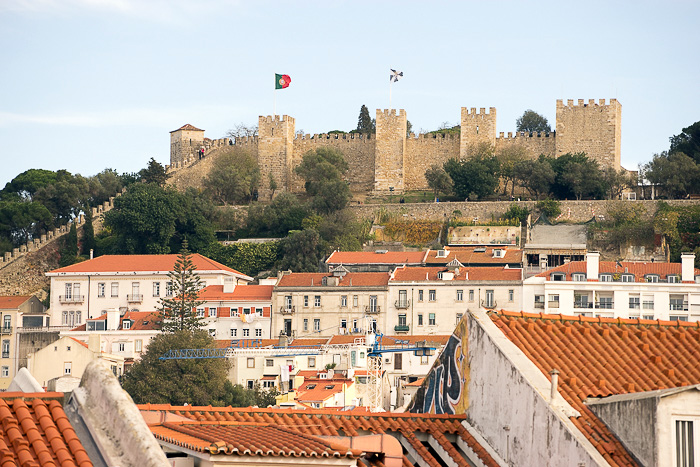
[(614, 289), (16, 313), (375, 261), (478, 256), (237, 311)]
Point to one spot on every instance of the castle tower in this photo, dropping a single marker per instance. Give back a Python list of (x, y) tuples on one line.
[(476, 128), (185, 142), (275, 152), (390, 147), (593, 128)]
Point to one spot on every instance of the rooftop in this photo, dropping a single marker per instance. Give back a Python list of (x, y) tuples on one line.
[(187, 126), (351, 279), (415, 274), (476, 255), (240, 293), (12, 302), (638, 269), (372, 257)]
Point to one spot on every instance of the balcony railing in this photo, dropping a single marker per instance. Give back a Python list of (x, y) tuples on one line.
[(679, 306), (492, 304), (6, 330), (539, 305), (553, 304), (6, 355), (401, 328), (604, 305), (583, 304), (134, 298), (372, 310), (402, 304), (71, 298), (287, 309)]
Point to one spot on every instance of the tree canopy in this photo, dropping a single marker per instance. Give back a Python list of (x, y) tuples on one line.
[(474, 177), (365, 124), (438, 180), (154, 173), (234, 177), (323, 171), (532, 122), (687, 142)]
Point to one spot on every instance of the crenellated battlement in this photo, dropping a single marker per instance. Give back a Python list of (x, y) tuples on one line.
[(276, 119), (583, 103), (434, 137), (333, 136), (524, 134), (391, 113), (472, 113)]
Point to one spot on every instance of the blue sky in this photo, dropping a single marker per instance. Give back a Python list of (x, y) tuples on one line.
[(91, 84)]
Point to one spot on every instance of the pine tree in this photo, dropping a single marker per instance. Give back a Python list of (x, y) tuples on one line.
[(364, 122), (88, 233), (179, 313), (69, 251)]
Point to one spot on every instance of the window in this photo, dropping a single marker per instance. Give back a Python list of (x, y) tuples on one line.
[(306, 324), (431, 295), (200, 312), (258, 332), (306, 300), (677, 303), (317, 301), (458, 317), (403, 299), (251, 362), (490, 301), (402, 319), (100, 289), (605, 303), (423, 359), (557, 276), (288, 302), (634, 302), (269, 362), (169, 289), (343, 323), (539, 301), (373, 308), (312, 362), (156, 289), (353, 358), (138, 345), (250, 383), (259, 311), (67, 368), (234, 332), (69, 291), (317, 325), (343, 301), (121, 347), (115, 289), (420, 295), (398, 361), (5, 372), (606, 278), (212, 312), (578, 277), (354, 325), (246, 332), (471, 295), (672, 279), (651, 278), (126, 324), (685, 445), (553, 301), (648, 317), (648, 302), (511, 295), (460, 295), (431, 319), (354, 301), (268, 384), (7, 322), (6, 348), (628, 278), (420, 319), (678, 318), (136, 290)]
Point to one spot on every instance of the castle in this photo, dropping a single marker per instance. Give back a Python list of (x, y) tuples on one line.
[(391, 160)]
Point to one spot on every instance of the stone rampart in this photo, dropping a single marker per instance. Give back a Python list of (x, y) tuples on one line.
[(422, 152)]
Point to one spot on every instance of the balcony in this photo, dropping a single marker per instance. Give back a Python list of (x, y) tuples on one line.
[(372, 310), (605, 305), (401, 328), (287, 310), (678, 306), (539, 305), (402, 304), (5, 355), (71, 298), (134, 298), (490, 304), (553, 304), (6, 330), (583, 304)]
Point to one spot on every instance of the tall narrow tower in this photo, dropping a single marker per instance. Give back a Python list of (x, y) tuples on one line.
[(275, 152), (476, 128), (390, 148)]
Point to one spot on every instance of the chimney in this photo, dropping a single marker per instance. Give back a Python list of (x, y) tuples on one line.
[(112, 319), (229, 284), (592, 265), (92, 253), (555, 383), (687, 267), (94, 343)]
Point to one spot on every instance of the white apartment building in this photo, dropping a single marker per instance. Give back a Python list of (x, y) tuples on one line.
[(87, 290), (237, 311), (613, 289)]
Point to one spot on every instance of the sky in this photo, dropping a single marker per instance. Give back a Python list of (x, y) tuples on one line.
[(92, 84)]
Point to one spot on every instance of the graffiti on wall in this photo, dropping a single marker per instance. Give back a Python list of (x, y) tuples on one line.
[(444, 390)]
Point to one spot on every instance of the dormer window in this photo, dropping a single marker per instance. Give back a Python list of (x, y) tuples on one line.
[(578, 277), (441, 254), (439, 274), (558, 276), (606, 278), (651, 278), (628, 278), (126, 324), (498, 253), (673, 279), (311, 386)]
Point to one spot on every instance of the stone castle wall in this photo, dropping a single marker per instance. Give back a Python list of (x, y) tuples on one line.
[(394, 160)]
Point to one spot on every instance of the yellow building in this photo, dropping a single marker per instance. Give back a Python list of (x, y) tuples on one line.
[(18, 311)]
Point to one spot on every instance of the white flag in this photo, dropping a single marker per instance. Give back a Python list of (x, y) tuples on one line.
[(395, 75)]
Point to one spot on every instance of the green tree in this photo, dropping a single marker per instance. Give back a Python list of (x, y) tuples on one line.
[(65, 197), (283, 214), (154, 173), (677, 173), (477, 176), (249, 258), (21, 221), (532, 122), (187, 381), (549, 207), (364, 121), (616, 181), (323, 171), (688, 142), (517, 212), (576, 176), (179, 313), (69, 249), (27, 183), (88, 233), (273, 185), (233, 178), (438, 180), (302, 251), (508, 157), (536, 176), (104, 185)]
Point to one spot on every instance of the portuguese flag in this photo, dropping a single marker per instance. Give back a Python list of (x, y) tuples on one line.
[(282, 81)]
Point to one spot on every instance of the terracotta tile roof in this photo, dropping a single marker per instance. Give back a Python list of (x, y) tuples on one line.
[(599, 357), (245, 343), (389, 340), (318, 390), (351, 279), (12, 302), (248, 293), (417, 382), (370, 257), (325, 422), (248, 440), (187, 126), (37, 432), (415, 274), (80, 342), (637, 268), (467, 255), (142, 263), (142, 321)]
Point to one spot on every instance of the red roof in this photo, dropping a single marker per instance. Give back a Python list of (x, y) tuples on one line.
[(624, 267), (328, 422), (142, 263), (467, 255), (37, 432), (248, 293), (599, 357), (187, 126), (351, 279), (317, 389), (142, 321), (465, 273), (12, 302), (370, 257)]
